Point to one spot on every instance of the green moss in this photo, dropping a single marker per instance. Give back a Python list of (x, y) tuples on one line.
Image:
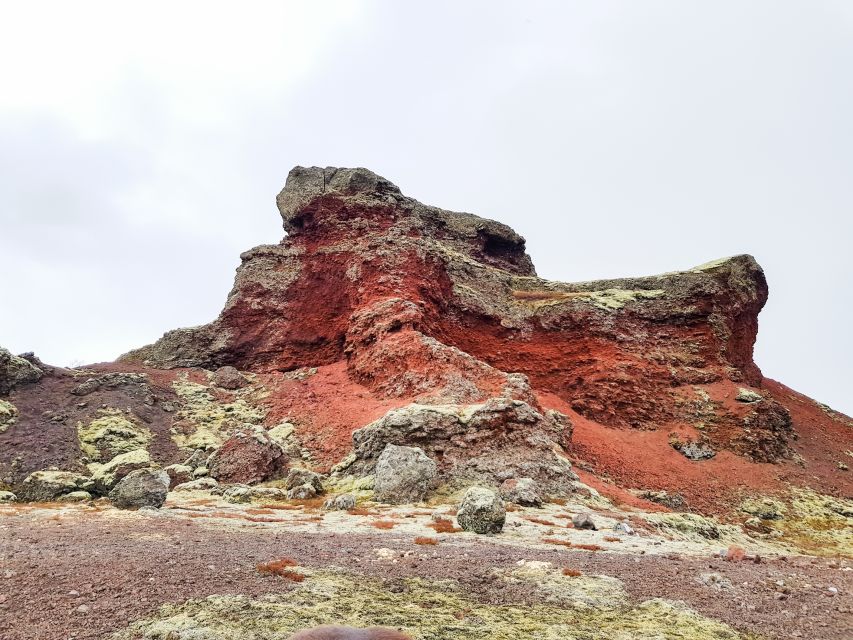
[(818, 524), (613, 299), (602, 592), (104, 475), (8, 414), (203, 422), (110, 434), (691, 526), (764, 508), (427, 610)]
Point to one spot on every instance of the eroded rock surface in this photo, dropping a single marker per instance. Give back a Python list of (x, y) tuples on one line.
[(380, 320)]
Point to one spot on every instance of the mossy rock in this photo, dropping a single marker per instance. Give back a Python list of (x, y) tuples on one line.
[(112, 433)]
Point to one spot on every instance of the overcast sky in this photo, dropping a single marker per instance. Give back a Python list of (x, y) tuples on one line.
[(142, 146)]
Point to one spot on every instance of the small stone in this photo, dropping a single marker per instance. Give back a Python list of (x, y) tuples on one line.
[(83, 608), (624, 527), (342, 502), (584, 521), (7, 496)]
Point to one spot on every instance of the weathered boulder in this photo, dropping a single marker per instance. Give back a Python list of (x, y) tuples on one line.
[(476, 443), (141, 488), (693, 449), (303, 484), (342, 502), (7, 496), (179, 474), (302, 492), (201, 484), (45, 486), (403, 474), (522, 491), (15, 371), (229, 378), (106, 476), (748, 396), (247, 457), (481, 511), (298, 476)]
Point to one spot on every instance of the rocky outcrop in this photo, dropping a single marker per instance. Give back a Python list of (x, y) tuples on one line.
[(382, 321), (489, 442), (436, 305), (15, 371)]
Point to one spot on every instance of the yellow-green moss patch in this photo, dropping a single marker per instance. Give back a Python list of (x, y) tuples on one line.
[(601, 592), (203, 422), (426, 610), (817, 524), (110, 434)]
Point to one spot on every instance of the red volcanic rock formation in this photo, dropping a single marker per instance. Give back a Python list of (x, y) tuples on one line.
[(379, 320), (438, 306)]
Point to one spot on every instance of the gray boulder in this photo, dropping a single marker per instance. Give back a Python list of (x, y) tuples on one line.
[(521, 491), (46, 486), (403, 474), (298, 477), (7, 496), (481, 511), (302, 492), (141, 488), (108, 475)]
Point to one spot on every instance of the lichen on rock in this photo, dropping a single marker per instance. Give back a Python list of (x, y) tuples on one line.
[(8, 413), (112, 433), (202, 422)]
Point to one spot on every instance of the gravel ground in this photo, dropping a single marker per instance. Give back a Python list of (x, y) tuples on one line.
[(82, 574)]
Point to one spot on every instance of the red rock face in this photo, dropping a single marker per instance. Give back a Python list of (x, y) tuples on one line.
[(399, 305), (425, 303)]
